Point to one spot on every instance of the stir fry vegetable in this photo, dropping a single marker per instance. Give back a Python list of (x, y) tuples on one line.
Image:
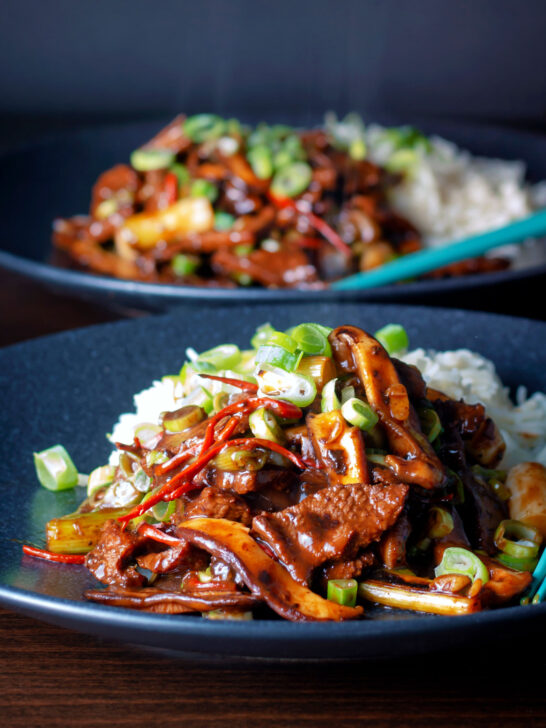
[(303, 475)]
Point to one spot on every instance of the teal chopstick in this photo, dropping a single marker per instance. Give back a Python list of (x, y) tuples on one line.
[(414, 264)]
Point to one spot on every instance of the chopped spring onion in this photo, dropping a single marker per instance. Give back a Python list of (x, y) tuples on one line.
[(106, 208), (235, 459), (359, 414), (311, 340), (163, 511), (185, 265), (223, 221), (142, 481), (208, 402), (347, 393), (330, 400), (261, 335), (264, 425), (55, 469), (181, 172), (182, 418), (523, 564), (278, 356), (321, 368), (261, 161), (289, 386), (440, 522), (403, 160), (148, 160), (462, 561), (148, 434), (357, 149), (205, 575), (155, 457), (225, 356), (204, 188), (430, 423), (204, 127), (284, 340), (342, 591), (99, 478), (219, 401), (229, 614), (517, 539), (291, 180), (393, 338)]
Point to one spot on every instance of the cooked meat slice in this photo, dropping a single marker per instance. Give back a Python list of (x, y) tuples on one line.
[(338, 447), (214, 503), (414, 460), (151, 599), (246, 481), (171, 137), (161, 562), (287, 268), (108, 561), (411, 378), (348, 568), (393, 544), (266, 578), (329, 525), (120, 183)]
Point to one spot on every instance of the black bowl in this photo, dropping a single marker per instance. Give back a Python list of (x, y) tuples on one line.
[(54, 179), (70, 389)]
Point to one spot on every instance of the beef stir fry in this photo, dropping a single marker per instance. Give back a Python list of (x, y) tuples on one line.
[(212, 202), (304, 477)]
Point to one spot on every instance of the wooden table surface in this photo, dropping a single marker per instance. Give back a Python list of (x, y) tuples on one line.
[(54, 677)]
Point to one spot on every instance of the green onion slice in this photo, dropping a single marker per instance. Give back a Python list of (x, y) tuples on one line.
[(225, 356), (181, 172), (204, 188), (100, 478), (278, 357), (292, 387), (359, 414), (182, 418), (462, 561), (204, 127), (311, 340), (148, 160), (393, 338), (163, 511), (517, 539), (291, 180), (261, 161), (347, 393), (223, 221), (185, 265), (342, 591), (55, 469), (264, 425), (523, 564), (440, 522), (330, 400), (284, 340), (430, 423), (261, 335)]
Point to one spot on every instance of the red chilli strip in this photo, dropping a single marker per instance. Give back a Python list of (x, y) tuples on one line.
[(156, 534), (184, 488), (240, 383), (171, 187), (50, 556)]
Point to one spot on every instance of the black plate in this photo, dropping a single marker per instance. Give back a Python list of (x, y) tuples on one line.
[(54, 179), (70, 388)]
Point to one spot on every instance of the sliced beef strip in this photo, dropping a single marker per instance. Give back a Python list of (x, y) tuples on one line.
[(152, 599), (348, 568), (120, 182), (165, 560), (329, 525), (171, 137), (287, 268), (214, 503), (246, 481), (109, 560), (392, 546)]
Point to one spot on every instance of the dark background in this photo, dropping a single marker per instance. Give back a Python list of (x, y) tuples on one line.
[(79, 62)]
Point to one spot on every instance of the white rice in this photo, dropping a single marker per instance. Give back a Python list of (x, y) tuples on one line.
[(461, 374), (449, 194)]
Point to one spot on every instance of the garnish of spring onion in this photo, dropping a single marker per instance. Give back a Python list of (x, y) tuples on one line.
[(440, 522), (264, 424), (203, 127), (343, 591), (521, 564), (462, 561), (261, 161), (204, 188), (225, 356), (291, 180), (148, 160), (359, 414), (223, 221), (311, 340), (185, 265), (261, 335), (278, 356), (55, 469), (277, 383), (100, 478), (330, 400), (430, 423), (393, 338), (517, 539)]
